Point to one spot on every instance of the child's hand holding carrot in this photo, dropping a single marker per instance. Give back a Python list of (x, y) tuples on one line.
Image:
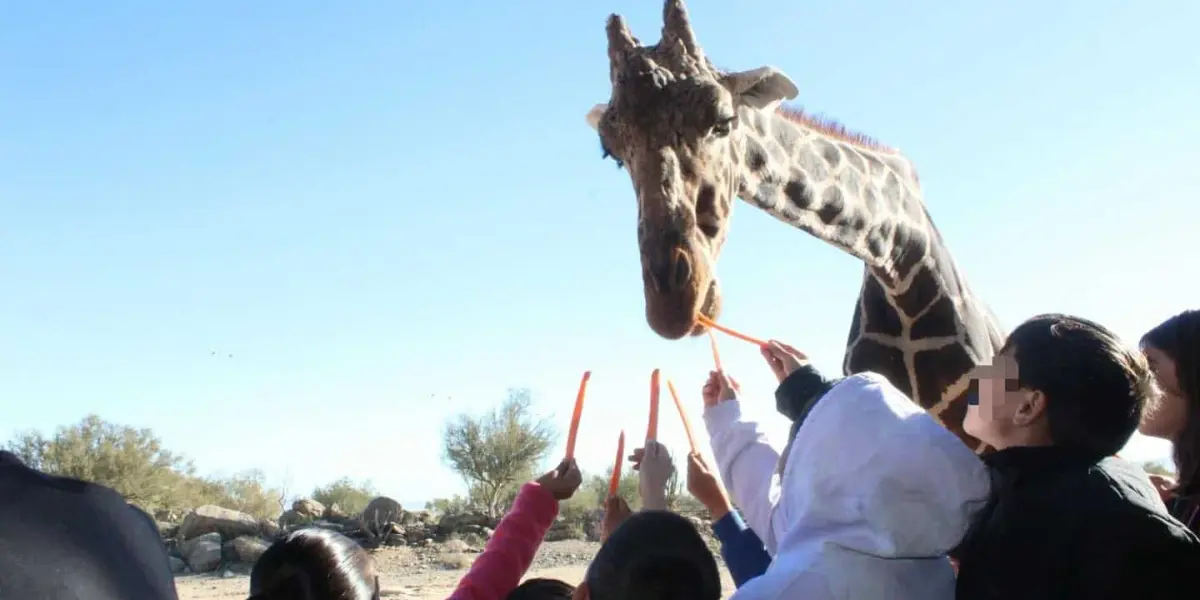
[(782, 358), (719, 388), (563, 480)]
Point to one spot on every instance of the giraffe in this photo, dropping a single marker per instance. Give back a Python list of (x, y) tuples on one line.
[(693, 137)]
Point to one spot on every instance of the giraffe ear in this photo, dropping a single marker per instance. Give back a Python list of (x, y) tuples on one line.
[(594, 115), (761, 88)]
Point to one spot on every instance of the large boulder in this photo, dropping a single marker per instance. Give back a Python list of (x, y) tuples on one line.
[(203, 552), (381, 516), (210, 518), (309, 508), (249, 548)]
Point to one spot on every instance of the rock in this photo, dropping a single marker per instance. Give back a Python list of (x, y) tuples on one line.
[(457, 523), (209, 518), (291, 518), (202, 553), (309, 508), (228, 552), (269, 529), (167, 530), (455, 545), (177, 565), (377, 517), (249, 548), (334, 512), (185, 548)]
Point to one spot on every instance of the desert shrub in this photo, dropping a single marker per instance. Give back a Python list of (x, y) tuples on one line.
[(351, 497), (498, 451), (134, 463)]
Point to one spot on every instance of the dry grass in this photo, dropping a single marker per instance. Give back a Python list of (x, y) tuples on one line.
[(455, 561)]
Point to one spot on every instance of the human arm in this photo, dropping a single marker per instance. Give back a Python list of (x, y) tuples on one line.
[(741, 548), (499, 569), (745, 459)]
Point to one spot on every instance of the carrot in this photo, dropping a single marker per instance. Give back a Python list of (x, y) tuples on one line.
[(615, 481), (687, 425), (652, 427), (727, 331), (712, 341), (573, 432)]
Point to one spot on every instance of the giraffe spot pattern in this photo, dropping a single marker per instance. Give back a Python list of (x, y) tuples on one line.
[(854, 159), (938, 368), (798, 192), (878, 315), (869, 355), (832, 205), (939, 320)]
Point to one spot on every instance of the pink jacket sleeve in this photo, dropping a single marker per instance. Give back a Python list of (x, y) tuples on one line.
[(499, 570)]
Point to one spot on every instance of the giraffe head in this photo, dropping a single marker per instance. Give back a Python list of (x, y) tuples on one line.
[(673, 121)]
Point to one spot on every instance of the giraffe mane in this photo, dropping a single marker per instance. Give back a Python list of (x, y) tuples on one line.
[(832, 128)]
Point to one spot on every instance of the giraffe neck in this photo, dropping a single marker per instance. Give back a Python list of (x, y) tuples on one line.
[(862, 200), (916, 322)]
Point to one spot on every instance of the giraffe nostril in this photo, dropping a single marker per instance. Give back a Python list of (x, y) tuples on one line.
[(669, 273), (681, 270)]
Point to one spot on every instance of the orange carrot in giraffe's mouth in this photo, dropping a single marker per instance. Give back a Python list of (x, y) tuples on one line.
[(573, 432), (707, 322)]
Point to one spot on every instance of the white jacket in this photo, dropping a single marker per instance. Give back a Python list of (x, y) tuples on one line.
[(873, 496)]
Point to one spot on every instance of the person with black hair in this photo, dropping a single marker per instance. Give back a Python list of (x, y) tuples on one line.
[(542, 588), (314, 564), (868, 498), (652, 555), (1067, 519), (63, 538), (1173, 351)]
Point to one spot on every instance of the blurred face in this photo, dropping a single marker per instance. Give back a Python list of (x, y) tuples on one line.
[(1002, 414), (1167, 419)]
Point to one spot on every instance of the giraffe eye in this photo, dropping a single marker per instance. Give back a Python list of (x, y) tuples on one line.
[(723, 127)]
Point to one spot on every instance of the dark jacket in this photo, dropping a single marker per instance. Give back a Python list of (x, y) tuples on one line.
[(63, 538), (1063, 524)]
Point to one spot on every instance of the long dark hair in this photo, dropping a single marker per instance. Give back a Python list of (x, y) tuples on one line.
[(314, 564), (1179, 338)]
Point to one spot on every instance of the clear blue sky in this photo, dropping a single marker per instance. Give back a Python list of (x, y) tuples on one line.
[(388, 212)]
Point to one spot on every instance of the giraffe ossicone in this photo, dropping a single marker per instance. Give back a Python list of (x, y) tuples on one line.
[(693, 138)]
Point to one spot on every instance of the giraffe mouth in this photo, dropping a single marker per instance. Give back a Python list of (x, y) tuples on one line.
[(710, 307)]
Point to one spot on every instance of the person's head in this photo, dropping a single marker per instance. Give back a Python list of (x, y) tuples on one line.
[(1064, 381), (653, 555), (540, 588), (1173, 351), (314, 564)]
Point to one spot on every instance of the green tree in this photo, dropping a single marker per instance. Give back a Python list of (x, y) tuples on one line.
[(497, 451), (351, 497), (134, 463), (131, 461)]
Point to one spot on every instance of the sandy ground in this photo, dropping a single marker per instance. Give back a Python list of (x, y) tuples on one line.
[(424, 575)]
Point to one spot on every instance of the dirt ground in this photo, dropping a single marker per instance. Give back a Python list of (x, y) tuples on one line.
[(425, 574)]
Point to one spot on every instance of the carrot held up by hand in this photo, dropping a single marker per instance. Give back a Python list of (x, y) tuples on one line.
[(573, 431)]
